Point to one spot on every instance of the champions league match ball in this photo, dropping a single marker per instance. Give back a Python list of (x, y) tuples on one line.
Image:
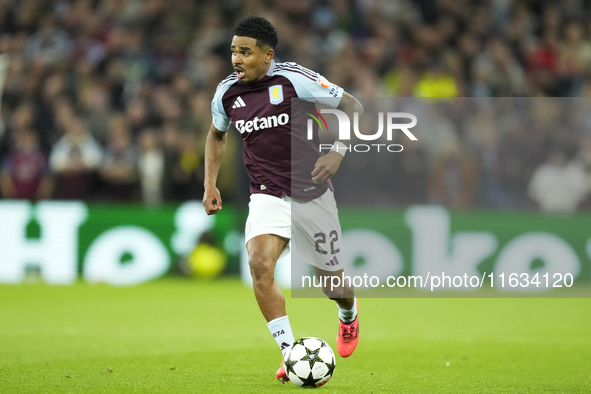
[(310, 362)]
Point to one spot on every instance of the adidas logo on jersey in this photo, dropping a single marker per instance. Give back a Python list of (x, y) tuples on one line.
[(239, 103)]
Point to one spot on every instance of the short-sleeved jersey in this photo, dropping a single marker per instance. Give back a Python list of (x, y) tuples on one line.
[(278, 156)]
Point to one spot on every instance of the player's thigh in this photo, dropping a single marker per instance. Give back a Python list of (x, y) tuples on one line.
[(264, 251), (267, 215), (326, 276), (317, 232)]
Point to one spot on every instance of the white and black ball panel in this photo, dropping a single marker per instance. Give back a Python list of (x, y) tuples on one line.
[(310, 362), (319, 370), (312, 343)]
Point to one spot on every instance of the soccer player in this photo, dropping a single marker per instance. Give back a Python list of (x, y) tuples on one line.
[(257, 99)]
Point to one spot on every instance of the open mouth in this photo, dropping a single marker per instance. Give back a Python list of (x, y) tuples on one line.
[(239, 72)]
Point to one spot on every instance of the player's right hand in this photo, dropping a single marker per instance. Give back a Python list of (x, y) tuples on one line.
[(212, 200)]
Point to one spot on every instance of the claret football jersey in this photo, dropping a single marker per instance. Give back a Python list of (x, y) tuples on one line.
[(278, 156)]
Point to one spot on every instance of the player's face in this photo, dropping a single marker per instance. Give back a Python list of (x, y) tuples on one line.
[(250, 61)]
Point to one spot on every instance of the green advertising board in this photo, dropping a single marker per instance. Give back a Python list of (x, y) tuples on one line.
[(432, 250), (119, 245), (123, 245)]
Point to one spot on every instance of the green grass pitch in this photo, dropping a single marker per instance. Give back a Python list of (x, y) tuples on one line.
[(184, 336)]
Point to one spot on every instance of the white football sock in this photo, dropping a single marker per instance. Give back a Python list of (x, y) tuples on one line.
[(281, 331), (348, 316)]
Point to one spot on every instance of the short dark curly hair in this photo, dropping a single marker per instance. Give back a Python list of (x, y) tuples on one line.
[(258, 28)]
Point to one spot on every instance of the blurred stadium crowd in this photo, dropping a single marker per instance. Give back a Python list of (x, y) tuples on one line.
[(109, 100)]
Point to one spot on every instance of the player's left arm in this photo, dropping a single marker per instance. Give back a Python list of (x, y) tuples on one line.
[(326, 166)]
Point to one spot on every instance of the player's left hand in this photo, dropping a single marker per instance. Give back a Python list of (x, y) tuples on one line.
[(326, 166)]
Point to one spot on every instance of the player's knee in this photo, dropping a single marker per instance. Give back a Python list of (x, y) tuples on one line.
[(261, 268)]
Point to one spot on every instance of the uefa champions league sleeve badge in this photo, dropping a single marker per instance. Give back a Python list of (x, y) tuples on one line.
[(276, 94)]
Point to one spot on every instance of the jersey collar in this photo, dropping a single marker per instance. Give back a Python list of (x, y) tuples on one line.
[(271, 68)]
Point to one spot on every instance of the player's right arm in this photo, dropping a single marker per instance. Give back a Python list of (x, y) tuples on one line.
[(214, 151), (215, 145)]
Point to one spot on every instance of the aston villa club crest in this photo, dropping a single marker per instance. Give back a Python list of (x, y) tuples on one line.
[(276, 94)]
